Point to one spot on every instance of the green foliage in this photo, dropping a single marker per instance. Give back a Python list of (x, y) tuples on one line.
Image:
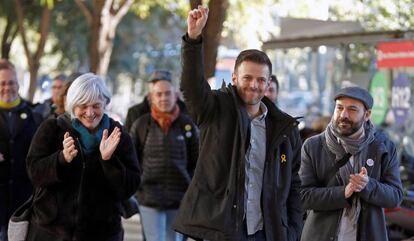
[(50, 3), (142, 8), (142, 45), (70, 32), (374, 15)]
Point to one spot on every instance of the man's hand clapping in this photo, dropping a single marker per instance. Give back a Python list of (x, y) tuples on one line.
[(357, 182)]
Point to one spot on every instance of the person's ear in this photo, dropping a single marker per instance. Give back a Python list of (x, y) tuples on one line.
[(234, 78), (367, 115)]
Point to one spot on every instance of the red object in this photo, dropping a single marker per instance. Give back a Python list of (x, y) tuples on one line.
[(395, 54), (390, 210)]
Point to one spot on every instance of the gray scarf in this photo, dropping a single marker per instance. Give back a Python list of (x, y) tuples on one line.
[(340, 145)]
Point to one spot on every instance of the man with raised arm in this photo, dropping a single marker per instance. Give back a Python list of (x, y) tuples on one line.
[(246, 182)]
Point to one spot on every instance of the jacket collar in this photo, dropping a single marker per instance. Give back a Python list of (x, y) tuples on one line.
[(274, 112)]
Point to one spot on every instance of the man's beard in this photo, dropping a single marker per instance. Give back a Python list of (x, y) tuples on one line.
[(249, 101), (351, 128)]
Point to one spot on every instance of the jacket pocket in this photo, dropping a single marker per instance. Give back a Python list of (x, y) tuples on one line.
[(45, 206), (219, 210)]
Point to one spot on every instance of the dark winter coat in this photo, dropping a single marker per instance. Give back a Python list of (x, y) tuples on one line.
[(213, 206), (326, 204), (79, 200), (168, 160), (17, 127)]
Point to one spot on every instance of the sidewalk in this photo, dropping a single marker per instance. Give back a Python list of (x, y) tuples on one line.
[(133, 231)]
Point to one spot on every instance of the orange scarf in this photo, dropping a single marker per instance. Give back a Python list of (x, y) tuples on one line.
[(165, 119)]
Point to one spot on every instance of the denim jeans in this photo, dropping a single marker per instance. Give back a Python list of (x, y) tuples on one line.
[(157, 224), (3, 233)]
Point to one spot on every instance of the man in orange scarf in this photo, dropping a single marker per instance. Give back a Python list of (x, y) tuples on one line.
[(167, 144)]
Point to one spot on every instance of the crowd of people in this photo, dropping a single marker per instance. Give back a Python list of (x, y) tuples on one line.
[(224, 164)]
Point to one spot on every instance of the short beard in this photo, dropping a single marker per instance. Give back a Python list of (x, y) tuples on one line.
[(355, 126)]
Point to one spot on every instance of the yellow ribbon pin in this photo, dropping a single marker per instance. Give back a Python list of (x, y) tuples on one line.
[(283, 157), (187, 127)]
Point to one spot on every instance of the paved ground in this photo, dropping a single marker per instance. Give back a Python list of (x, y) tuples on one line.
[(133, 231), (132, 227)]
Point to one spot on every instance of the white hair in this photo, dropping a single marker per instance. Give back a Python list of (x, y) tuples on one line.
[(86, 89)]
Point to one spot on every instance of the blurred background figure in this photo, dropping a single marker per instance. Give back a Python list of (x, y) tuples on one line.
[(317, 126), (136, 111), (61, 96), (49, 106), (18, 124), (273, 89), (166, 141), (81, 166)]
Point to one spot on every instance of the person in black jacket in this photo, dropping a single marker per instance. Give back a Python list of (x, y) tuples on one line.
[(246, 183), (167, 143), (18, 123), (81, 166)]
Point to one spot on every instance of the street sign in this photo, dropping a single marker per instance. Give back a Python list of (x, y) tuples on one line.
[(395, 54), (400, 100), (379, 90)]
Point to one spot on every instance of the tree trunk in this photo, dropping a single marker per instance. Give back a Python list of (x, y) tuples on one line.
[(103, 20), (95, 35), (33, 70), (212, 34), (33, 60), (9, 35), (195, 3)]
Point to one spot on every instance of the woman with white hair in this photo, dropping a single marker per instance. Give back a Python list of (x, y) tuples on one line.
[(81, 166)]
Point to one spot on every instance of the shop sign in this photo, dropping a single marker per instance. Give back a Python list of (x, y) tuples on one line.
[(395, 54)]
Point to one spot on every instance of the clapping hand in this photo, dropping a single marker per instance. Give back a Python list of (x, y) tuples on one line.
[(69, 148), (196, 20), (109, 143), (357, 182)]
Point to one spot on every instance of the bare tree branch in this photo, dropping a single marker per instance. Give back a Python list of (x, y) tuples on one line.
[(43, 30), (19, 12), (195, 3), (212, 34), (122, 10), (85, 10), (9, 35)]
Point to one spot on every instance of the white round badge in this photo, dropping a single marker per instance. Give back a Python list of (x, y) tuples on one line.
[(23, 116), (370, 162)]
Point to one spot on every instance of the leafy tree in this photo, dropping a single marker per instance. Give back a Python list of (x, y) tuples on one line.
[(374, 16), (212, 34), (144, 44), (103, 17), (33, 58), (10, 30)]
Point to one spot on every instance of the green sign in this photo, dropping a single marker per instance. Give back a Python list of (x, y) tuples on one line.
[(379, 90)]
